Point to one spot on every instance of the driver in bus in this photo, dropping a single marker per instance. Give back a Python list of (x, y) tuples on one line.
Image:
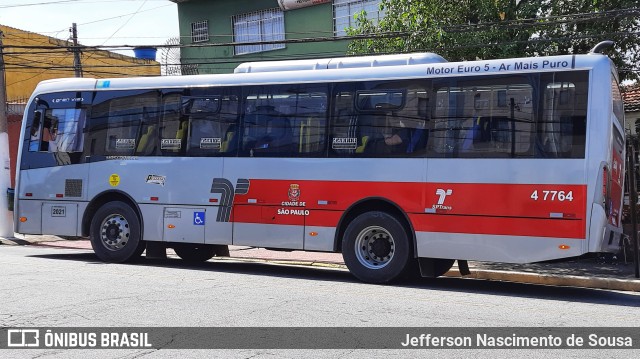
[(55, 144)]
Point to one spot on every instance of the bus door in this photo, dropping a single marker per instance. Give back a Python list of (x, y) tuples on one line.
[(52, 180), (178, 112), (208, 128), (196, 126)]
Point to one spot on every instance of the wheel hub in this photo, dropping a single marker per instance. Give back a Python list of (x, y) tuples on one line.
[(374, 247), (114, 232), (380, 247)]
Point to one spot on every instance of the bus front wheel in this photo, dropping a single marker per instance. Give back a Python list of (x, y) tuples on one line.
[(376, 248), (115, 233)]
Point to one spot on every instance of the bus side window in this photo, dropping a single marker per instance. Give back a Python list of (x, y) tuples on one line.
[(284, 120), (267, 130), (345, 138), (173, 126), (35, 138), (307, 113), (211, 119), (561, 121), (147, 143), (148, 135), (310, 133)]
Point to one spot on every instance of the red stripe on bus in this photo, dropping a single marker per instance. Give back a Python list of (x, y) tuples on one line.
[(545, 210)]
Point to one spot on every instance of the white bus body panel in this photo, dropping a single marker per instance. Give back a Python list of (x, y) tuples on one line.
[(188, 184)]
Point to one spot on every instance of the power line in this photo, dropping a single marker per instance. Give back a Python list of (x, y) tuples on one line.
[(126, 22), (119, 16), (60, 2), (58, 51), (508, 24), (37, 4), (302, 40)]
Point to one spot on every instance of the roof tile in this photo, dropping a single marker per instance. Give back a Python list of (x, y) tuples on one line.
[(631, 98)]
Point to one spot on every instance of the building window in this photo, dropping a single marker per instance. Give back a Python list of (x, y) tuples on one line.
[(344, 11), (200, 31), (260, 26)]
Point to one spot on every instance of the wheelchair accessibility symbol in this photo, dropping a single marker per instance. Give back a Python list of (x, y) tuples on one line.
[(198, 218)]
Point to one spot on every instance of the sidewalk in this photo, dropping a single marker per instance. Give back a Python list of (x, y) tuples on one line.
[(601, 273)]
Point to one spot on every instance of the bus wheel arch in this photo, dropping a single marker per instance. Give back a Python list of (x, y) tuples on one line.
[(114, 228), (377, 241), (368, 205), (102, 198)]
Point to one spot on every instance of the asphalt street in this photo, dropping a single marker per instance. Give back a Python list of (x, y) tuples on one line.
[(44, 286)]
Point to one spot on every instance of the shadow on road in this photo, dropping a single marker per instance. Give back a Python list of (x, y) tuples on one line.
[(443, 284)]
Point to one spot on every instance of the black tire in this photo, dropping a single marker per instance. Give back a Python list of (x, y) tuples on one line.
[(442, 266), (436, 266), (115, 233), (221, 250), (376, 248), (195, 253)]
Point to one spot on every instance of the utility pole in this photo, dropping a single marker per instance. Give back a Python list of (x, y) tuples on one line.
[(77, 66), (6, 223), (3, 89)]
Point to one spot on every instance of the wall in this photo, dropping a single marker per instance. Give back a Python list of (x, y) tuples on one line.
[(311, 22), (25, 68), (14, 122)]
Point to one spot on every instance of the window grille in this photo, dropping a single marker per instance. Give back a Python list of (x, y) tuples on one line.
[(200, 31), (259, 26), (344, 11)]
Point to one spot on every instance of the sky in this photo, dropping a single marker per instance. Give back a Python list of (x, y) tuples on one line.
[(99, 22)]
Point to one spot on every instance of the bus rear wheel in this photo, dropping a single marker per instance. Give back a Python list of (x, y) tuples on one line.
[(115, 233), (195, 252), (376, 248)]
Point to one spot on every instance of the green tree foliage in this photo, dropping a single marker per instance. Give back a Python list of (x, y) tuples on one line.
[(487, 29)]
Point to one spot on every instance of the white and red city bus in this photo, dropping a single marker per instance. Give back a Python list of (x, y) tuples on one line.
[(392, 160)]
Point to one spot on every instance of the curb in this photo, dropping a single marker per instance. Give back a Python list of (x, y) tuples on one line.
[(554, 280), (495, 275)]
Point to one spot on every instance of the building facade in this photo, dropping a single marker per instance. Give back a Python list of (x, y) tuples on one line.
[(631, 97), (217, 35)]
